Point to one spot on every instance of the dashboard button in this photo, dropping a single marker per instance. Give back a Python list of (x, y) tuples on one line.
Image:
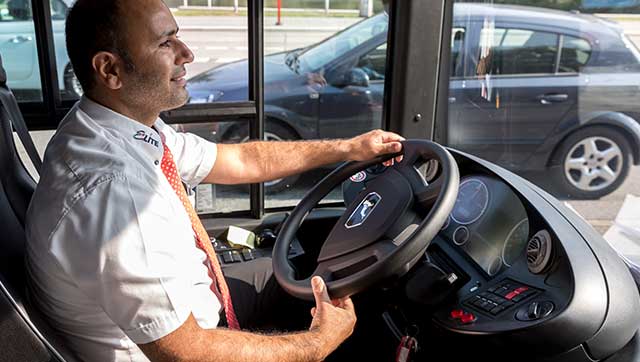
[(497, 310), (236, 256), (467, 318), (247, 255), (511, 295), (227, 257), (456, 313)]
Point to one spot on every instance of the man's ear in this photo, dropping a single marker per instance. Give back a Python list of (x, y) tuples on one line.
[(107, 70)]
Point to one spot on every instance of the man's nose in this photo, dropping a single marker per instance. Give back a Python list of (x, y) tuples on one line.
[(185, 55)]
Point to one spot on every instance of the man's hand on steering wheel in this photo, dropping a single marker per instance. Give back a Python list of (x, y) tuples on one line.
[(375, 143), (333, 320)]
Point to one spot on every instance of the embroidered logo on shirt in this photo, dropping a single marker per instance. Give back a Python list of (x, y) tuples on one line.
[(142, 136)]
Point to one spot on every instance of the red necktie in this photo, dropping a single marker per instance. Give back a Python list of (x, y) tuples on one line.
[(202, 238)]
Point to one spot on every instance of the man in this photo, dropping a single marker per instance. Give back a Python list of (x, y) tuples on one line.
[(111, 254)]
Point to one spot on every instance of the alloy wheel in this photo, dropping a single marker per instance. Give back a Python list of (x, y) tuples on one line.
[(593, 163)]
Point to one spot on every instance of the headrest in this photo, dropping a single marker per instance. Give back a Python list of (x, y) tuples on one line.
[(3, 74)]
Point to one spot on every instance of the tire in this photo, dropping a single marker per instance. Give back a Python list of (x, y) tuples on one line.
[(592, 162), (274, 131), (72, 88)]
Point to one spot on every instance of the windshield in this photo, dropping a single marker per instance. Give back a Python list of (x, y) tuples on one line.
[(319, 55)]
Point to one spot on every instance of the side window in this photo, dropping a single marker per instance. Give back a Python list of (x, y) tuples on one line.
[(18, 50), (373, 63), (575, 54), (516, 51), (15, 10)]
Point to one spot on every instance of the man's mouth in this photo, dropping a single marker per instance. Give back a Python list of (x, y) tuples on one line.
[(180, 79)]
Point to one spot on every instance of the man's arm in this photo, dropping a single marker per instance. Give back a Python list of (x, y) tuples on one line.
[(333, 322), (262, 161)]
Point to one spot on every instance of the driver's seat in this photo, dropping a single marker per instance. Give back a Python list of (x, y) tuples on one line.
[(24, 336)]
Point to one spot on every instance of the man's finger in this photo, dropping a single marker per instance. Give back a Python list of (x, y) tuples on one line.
[(313, 312), (347, 304), (319, 291), (391, 137), (392, 147)]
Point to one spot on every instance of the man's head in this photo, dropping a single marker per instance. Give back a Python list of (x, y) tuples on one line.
[(128, 51)]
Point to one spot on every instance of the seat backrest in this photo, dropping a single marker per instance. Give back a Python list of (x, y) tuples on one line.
[(25, 335), (18, 184)]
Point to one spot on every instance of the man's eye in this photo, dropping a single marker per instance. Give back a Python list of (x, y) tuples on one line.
[(166, 43)]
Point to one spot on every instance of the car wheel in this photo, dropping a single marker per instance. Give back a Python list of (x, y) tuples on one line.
[(273, 132), (594, 161), (72, 87)]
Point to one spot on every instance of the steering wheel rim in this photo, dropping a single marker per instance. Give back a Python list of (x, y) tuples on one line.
[(394, 237)]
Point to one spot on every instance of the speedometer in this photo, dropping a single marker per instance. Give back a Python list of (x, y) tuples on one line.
[(473, 197), (514, 244)]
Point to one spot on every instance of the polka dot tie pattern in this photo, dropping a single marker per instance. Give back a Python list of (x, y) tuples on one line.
[(170, 171)]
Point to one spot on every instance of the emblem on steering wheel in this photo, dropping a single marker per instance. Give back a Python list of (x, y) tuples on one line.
[(364, 209)]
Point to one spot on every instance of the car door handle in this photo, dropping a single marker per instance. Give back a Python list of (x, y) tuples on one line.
[(20, 39), (552, 98)]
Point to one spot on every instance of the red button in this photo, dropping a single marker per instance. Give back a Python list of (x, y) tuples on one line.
[(511, 295), (467, 318), (521, 289), (457, 313)]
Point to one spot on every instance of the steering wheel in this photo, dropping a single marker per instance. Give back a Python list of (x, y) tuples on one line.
[(383, 232)]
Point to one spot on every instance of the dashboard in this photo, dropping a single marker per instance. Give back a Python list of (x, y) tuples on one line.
[(512, 269)]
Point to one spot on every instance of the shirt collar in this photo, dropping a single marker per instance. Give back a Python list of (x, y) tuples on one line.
[(133, 132)]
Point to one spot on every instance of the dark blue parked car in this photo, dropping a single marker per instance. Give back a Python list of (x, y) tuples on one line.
[(531, 89)]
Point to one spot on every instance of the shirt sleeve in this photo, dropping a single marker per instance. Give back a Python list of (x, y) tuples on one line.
[(194, 156), (124, 249)]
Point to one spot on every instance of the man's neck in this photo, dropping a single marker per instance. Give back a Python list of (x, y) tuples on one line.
[(146, 118)]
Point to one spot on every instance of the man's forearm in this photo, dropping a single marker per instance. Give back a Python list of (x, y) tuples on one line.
[(302, 346), (223, 345), (273, 160), (263, 161)]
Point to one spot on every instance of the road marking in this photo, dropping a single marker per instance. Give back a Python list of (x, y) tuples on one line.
[(201, 59)]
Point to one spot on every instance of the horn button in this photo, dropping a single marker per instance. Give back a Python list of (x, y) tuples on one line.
[(370, 215)]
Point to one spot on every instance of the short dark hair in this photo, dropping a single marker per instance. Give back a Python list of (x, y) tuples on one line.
[(93, 26)]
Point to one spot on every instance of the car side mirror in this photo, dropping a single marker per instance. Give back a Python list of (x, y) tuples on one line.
[(356, 77)]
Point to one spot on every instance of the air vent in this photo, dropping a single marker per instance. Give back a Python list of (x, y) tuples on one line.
[(539, 251)]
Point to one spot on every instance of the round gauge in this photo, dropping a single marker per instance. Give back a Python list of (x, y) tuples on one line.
[(472, 201), (461, 235), (515, 243), (495, 266)]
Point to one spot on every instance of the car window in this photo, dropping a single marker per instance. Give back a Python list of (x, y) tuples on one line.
[(319, 55), (373, 63), (15, 10), (574, 55), (516, 51)]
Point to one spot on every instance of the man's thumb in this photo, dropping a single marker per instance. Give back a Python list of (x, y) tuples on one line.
[(319, 291)]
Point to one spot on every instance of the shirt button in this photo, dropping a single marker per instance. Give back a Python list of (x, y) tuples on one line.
[(156, 162)]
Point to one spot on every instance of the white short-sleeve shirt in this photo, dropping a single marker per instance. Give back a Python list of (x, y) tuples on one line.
[(111, 255)]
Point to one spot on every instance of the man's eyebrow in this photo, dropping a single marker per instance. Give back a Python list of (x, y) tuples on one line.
[(169, 33)]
